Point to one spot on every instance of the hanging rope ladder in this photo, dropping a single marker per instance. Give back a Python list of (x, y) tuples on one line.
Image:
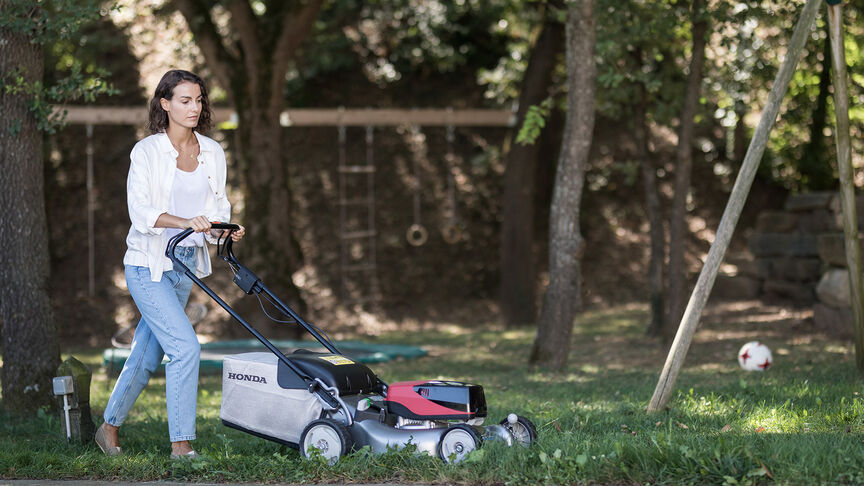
[(358, 262)]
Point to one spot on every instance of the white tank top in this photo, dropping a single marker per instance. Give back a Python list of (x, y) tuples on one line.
[(188, 197)]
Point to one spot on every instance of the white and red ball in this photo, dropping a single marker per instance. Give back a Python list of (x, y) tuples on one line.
[(755, 356)]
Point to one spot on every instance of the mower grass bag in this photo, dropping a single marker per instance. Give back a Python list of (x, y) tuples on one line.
[(253, 401)]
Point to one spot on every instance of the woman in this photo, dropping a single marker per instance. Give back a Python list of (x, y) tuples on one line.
[(176, 181)]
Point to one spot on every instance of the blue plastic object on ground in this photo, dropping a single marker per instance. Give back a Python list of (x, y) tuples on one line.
[(212, 353)]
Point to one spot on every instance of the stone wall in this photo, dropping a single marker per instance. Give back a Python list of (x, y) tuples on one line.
[(797, 255)]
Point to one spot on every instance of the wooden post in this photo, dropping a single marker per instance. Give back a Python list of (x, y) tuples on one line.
[(91, 208), (734, 206), (844, 167)]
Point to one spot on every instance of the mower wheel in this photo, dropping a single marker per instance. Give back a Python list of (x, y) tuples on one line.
[(457, 442), (523, 431), (331, 438)]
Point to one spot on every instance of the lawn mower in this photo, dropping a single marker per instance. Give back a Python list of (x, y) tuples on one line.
[(324, 403)]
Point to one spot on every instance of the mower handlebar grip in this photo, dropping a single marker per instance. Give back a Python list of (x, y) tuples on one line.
[(225, 226)]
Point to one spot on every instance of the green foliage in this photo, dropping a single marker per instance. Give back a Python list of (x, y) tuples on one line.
[(73, 87), (46, 23), (535, 121), (49, 20), (401, 41)]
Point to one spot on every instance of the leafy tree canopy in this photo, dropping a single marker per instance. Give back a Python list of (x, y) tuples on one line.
[(45, 23)]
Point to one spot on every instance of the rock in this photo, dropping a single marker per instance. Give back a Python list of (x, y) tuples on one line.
[(783, 244), (833, 321), (760, 268), (833, 288), (819, 221), (776, 222), (832, 248), (805, 269), (809, 201), (837, 210), (801, 294), (739, 287), (81, 424)]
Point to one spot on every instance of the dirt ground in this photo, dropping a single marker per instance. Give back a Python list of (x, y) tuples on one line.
[(723, 329)]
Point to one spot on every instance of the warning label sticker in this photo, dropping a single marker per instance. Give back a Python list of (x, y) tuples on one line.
[(337, 360)]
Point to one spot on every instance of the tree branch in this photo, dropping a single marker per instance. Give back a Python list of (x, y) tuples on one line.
[(218, 59), (295, 29)]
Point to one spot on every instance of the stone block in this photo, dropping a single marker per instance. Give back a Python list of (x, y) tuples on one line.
[(776, 222), (783, 244), (832, 248), (739, 287), (836, 209), (809, 201), (801, 294), (833, 288), (819, 221), (760, 268), (833, 321), (805, 269)]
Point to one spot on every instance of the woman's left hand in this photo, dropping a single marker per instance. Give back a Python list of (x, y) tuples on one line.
[(237, 235)]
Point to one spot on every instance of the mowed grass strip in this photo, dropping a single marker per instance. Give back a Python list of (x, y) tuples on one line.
[(799, 422)]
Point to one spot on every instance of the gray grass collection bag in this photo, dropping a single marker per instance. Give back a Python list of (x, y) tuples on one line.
[(252, 399)]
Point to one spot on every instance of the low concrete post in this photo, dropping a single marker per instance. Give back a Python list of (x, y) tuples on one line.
[(81, 426)]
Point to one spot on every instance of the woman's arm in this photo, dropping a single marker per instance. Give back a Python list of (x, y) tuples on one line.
[(198, 223), (142, 210)]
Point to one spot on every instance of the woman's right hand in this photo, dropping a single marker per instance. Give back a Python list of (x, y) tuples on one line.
[(199, 224)]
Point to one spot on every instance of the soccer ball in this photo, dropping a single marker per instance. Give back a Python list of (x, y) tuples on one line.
[(755, 356)]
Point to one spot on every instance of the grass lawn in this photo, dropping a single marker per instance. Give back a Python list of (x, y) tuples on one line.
[(799, 422)]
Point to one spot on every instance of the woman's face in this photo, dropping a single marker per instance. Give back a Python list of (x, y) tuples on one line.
[(184, 107)]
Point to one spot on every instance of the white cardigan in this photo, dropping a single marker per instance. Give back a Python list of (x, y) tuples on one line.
[(148, 195)]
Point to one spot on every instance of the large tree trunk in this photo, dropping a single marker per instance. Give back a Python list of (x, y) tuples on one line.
[(562, 299), (30, 350), (276, 254), (653, 211), (517, 287), (253, 75), (684, 164)]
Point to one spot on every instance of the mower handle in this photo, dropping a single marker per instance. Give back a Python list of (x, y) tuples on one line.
[(176, 239), (228, 226)]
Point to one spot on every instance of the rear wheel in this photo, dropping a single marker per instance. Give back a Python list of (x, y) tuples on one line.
[(522, 430), (330, 438), (457, 442)]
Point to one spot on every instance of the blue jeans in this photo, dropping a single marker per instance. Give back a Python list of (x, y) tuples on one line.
[(164, 329)]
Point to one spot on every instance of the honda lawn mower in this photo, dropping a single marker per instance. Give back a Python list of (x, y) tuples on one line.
[(330, 403)]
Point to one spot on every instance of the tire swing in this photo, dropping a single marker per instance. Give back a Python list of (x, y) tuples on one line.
[(416, 234), (450, 232)]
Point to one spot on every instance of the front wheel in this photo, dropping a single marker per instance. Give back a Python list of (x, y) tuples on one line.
[(522, 430), (330, 438), (457, 442)]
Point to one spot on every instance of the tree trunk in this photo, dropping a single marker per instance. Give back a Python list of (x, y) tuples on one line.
[(30, 350), (653, 213), (739, 149), (684, 164), (276, 255), (815, 167), (253, 75), (562, 299), (517, 287)]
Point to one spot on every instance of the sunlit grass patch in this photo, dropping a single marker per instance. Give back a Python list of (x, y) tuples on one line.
[(799, 422)]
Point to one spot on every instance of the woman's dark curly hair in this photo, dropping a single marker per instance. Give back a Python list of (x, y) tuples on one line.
[(165, 89)]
